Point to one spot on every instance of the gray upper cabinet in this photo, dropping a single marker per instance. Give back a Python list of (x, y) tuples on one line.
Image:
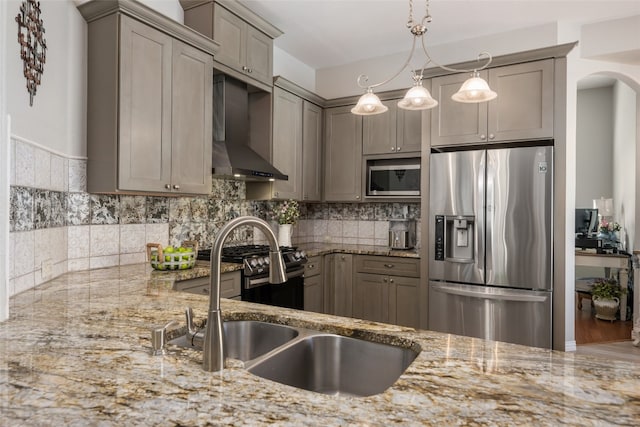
[(523, 109), (297, 143), (246, 40), (343, 155), (397, 131), (150, 96), (287, 143), (311, 152)]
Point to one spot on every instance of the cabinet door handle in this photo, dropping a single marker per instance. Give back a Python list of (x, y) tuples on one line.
[(357, 197), (167, 186), (384, 279), (393, 148), (390, 280), (398, 149), (176, 187), (389, 265), (250, 70), (483, 137), (491, 136), (245, 68), (276, 194)]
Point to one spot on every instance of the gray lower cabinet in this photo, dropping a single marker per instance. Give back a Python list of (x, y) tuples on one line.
[(397, 131), (313, 285), (343, 155), (391, 297), (523, 109), (338, 284), (149, 111), (229, 285)]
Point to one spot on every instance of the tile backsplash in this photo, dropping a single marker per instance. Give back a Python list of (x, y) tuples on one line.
[(56, 226)]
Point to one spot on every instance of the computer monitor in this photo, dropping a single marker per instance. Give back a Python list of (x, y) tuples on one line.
[(586, 221)]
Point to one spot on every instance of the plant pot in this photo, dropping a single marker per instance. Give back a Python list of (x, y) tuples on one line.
[(606, 309), (284, 234)]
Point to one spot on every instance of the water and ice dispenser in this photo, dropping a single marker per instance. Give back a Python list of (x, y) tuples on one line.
[(454, 238)]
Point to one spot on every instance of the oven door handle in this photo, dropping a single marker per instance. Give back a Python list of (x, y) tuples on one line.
[(251, 283)]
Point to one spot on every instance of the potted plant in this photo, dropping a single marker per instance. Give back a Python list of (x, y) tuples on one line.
[(605, 294), (286, 213)]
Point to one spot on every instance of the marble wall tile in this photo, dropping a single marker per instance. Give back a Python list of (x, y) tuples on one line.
[(366, 230), (11, 262), (104, 240), (79, 242), (178, 233), (320, 229), (25, 164), (157, 233), (215, 210), (134, 258), (41, 209), (157, 210), (381, 231), (132, 238), (22, 284), (21, 211), (366, 212), (317, 211), (334, 228), (78, 209), (350, 241), (383, 211), (58, 206), (23, 253), (335, 211), (180, 210), (351, 211), (59, 268), (104, 261), (104, 209), (77, 175), (232, 210), (78, 264), (132, 209), (42, 169), (59, 173), (44, 248), (350, 228), (199, 209)]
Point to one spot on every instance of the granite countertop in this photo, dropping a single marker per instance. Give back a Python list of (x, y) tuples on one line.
[(76, 351), (315, 249)]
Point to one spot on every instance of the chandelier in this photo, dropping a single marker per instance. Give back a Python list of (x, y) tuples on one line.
[(473, 90)]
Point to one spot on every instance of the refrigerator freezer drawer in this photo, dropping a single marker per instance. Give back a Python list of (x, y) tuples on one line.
[(510, 315)]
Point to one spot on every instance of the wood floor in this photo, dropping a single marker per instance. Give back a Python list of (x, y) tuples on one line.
[(600, 338)]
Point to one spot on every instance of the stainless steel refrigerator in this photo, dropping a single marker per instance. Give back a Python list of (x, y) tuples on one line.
[(491, 228)]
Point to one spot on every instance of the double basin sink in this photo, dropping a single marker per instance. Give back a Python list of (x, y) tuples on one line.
[(314, 360)]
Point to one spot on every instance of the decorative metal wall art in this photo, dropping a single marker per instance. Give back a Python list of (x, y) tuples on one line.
[(33, 47)]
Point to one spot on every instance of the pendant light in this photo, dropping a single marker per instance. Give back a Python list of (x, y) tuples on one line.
[(473, 90)]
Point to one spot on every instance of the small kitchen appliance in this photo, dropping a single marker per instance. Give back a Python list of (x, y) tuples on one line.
[(402, 234)]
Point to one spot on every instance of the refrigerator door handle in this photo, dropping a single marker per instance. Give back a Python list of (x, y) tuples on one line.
[(485, 295)]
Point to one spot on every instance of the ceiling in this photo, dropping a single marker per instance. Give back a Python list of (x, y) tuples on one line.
[(328, 33)]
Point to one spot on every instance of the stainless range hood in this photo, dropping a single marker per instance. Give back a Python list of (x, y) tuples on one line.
[(232, 156)]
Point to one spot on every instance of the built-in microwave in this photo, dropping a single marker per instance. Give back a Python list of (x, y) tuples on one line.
[(399, 177)]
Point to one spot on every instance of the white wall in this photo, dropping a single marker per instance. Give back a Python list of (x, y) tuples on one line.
[(4, 179), (624, 160), (293, 70), (340, 81), (594, 156)]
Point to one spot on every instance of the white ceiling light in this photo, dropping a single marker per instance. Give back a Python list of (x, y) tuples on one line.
[(475, 89)]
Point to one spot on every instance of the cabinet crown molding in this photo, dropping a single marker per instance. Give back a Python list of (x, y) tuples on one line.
[(303, 93), (96, 9)]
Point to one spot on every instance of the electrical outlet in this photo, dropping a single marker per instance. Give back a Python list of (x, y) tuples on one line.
[(47, 267)]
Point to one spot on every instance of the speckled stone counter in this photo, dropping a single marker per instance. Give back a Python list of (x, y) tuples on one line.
[(76, 351), (315, 249)]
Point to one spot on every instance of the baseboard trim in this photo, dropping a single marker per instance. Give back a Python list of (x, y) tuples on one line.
[(570, 346)]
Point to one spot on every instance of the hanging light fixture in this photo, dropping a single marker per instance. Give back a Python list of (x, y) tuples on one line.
[(473, 90)]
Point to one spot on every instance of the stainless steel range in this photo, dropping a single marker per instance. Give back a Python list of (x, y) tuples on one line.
[(255, 274)]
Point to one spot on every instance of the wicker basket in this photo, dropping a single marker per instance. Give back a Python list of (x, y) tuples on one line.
[(606, 309), (171, 261)]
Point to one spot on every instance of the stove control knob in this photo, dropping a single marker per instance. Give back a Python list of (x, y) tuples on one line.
[(266, 261), (253, 262), (303, 254), (297, 255), (260, 261)]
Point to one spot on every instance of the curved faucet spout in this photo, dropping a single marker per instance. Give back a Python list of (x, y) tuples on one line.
[(213, 351)]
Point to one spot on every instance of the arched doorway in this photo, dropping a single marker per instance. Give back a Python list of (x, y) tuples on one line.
[(607, 149)]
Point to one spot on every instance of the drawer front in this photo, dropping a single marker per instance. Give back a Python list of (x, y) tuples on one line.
[(395, 266), (230, 285), (313, 267)]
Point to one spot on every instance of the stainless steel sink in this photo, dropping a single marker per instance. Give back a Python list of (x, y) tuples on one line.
[(245, 339), (333, 364), (248, 339)]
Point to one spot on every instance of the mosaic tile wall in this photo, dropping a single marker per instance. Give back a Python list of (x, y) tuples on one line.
[(56, 226)]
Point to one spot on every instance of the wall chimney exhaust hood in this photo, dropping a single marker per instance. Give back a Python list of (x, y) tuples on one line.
[(232, 156)]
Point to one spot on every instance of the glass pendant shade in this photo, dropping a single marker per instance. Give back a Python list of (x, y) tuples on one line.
[(474, 89), (369, 104), (417, 98)]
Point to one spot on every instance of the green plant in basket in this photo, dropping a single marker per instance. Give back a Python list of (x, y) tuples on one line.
[(607, 288)]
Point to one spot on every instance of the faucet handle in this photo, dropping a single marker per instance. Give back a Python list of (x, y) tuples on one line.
[(159, 338), (191, 328)]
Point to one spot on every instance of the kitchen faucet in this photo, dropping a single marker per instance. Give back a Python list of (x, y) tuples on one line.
[(213, 349)]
